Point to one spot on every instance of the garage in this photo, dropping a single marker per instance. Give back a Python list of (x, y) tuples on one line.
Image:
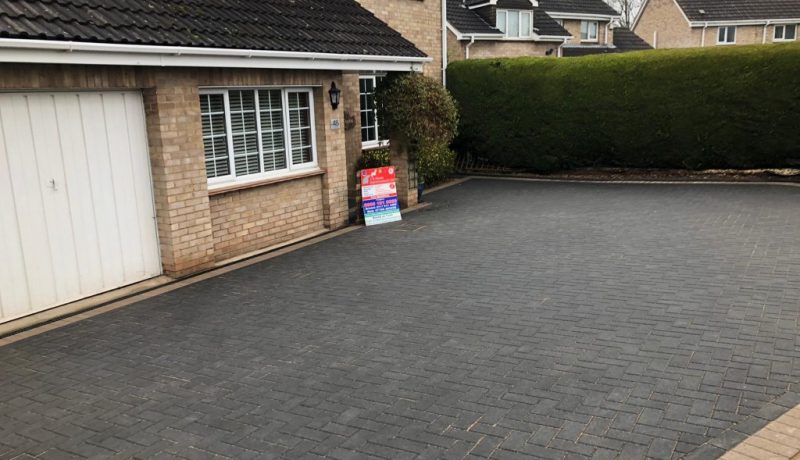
[(77, 216)]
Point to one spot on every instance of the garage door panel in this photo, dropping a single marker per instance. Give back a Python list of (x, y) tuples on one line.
[(142, 175), (54, 191), (103, 192), (80, 220), (122, 173), (13, 280), (79, 192), (31, 222)]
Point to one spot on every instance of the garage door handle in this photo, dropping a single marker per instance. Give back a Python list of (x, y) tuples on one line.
[(52, 184)]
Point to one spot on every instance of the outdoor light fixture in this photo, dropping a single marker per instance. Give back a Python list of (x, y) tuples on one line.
[(335, 94)]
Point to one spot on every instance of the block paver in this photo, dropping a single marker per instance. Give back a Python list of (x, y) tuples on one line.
[(507, 320)]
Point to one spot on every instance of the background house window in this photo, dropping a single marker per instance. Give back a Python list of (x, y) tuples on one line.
[(515, 23), (785, 32), (255, 133), (371, 134), (589, 31), (726, 35)]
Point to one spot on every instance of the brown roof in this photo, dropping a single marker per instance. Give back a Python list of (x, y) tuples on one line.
[(739, 10), (314, 26)]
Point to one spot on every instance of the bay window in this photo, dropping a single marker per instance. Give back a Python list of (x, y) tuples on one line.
[(515, 23), (257, 133)]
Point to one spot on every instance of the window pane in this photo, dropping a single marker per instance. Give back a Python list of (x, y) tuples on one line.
[(731, 34), (300, 128), (721, 37), (513, 24), (270, 106), (584, 30), (501, 21), (215, 137), (790, 32), (368, 117), (525, 25), (778, 32), (593, 31), (244, 133)]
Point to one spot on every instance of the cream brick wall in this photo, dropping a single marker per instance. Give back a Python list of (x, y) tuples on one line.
[(665, 18), (673, 30), (499, 49), (573, 26), (196, 229), (251, 219), (419, 21)]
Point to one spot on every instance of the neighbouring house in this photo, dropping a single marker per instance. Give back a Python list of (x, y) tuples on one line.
[(700, 23), (501, 28), (509, 28), (589, 22), (148, 138)]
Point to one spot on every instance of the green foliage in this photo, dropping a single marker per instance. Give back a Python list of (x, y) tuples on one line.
[(435, 163), (374, 158), (417, 110), (727, 107)]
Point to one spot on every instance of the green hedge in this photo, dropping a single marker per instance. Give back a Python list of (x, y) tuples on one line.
[(725, 107)]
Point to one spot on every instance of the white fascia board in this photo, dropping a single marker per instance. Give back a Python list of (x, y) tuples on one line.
[(481, 5), (581, 16), (468, 36), (552, 38), (754, 22), (79, 53), (534, 3)]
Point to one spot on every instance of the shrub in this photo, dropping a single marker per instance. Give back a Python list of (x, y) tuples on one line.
[(419, 112), (374, 158), (731, 107), (435, 163)]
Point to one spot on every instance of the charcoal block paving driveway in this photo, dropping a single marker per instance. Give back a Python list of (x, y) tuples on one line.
[(509, 319)]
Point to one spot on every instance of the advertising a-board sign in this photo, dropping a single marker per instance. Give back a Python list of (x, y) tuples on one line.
[(379, 195)]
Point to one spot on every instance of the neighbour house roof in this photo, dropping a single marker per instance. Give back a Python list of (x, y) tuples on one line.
[(545, 25), (596, 7), (298, 26), (626, 40), (739, 10), (469, 22)]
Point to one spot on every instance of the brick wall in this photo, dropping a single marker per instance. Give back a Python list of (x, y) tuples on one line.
[(490, 49), (251, 219), (573, 26), (419, 21), (196, 229)]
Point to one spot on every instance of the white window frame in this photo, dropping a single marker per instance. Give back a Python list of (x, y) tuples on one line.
[(378, 142), (727, 34), (505, 13), (290, 167), (782, 38), (589, 38)]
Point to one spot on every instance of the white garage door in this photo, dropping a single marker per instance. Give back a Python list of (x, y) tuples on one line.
[(76, 203)]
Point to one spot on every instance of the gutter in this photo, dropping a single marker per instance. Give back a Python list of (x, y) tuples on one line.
[(466, 50), (703, 37), (444, 43), (764, 37), (72, 52)]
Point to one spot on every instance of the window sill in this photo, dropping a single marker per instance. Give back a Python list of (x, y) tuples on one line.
[(368, 147), (219, 189)]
